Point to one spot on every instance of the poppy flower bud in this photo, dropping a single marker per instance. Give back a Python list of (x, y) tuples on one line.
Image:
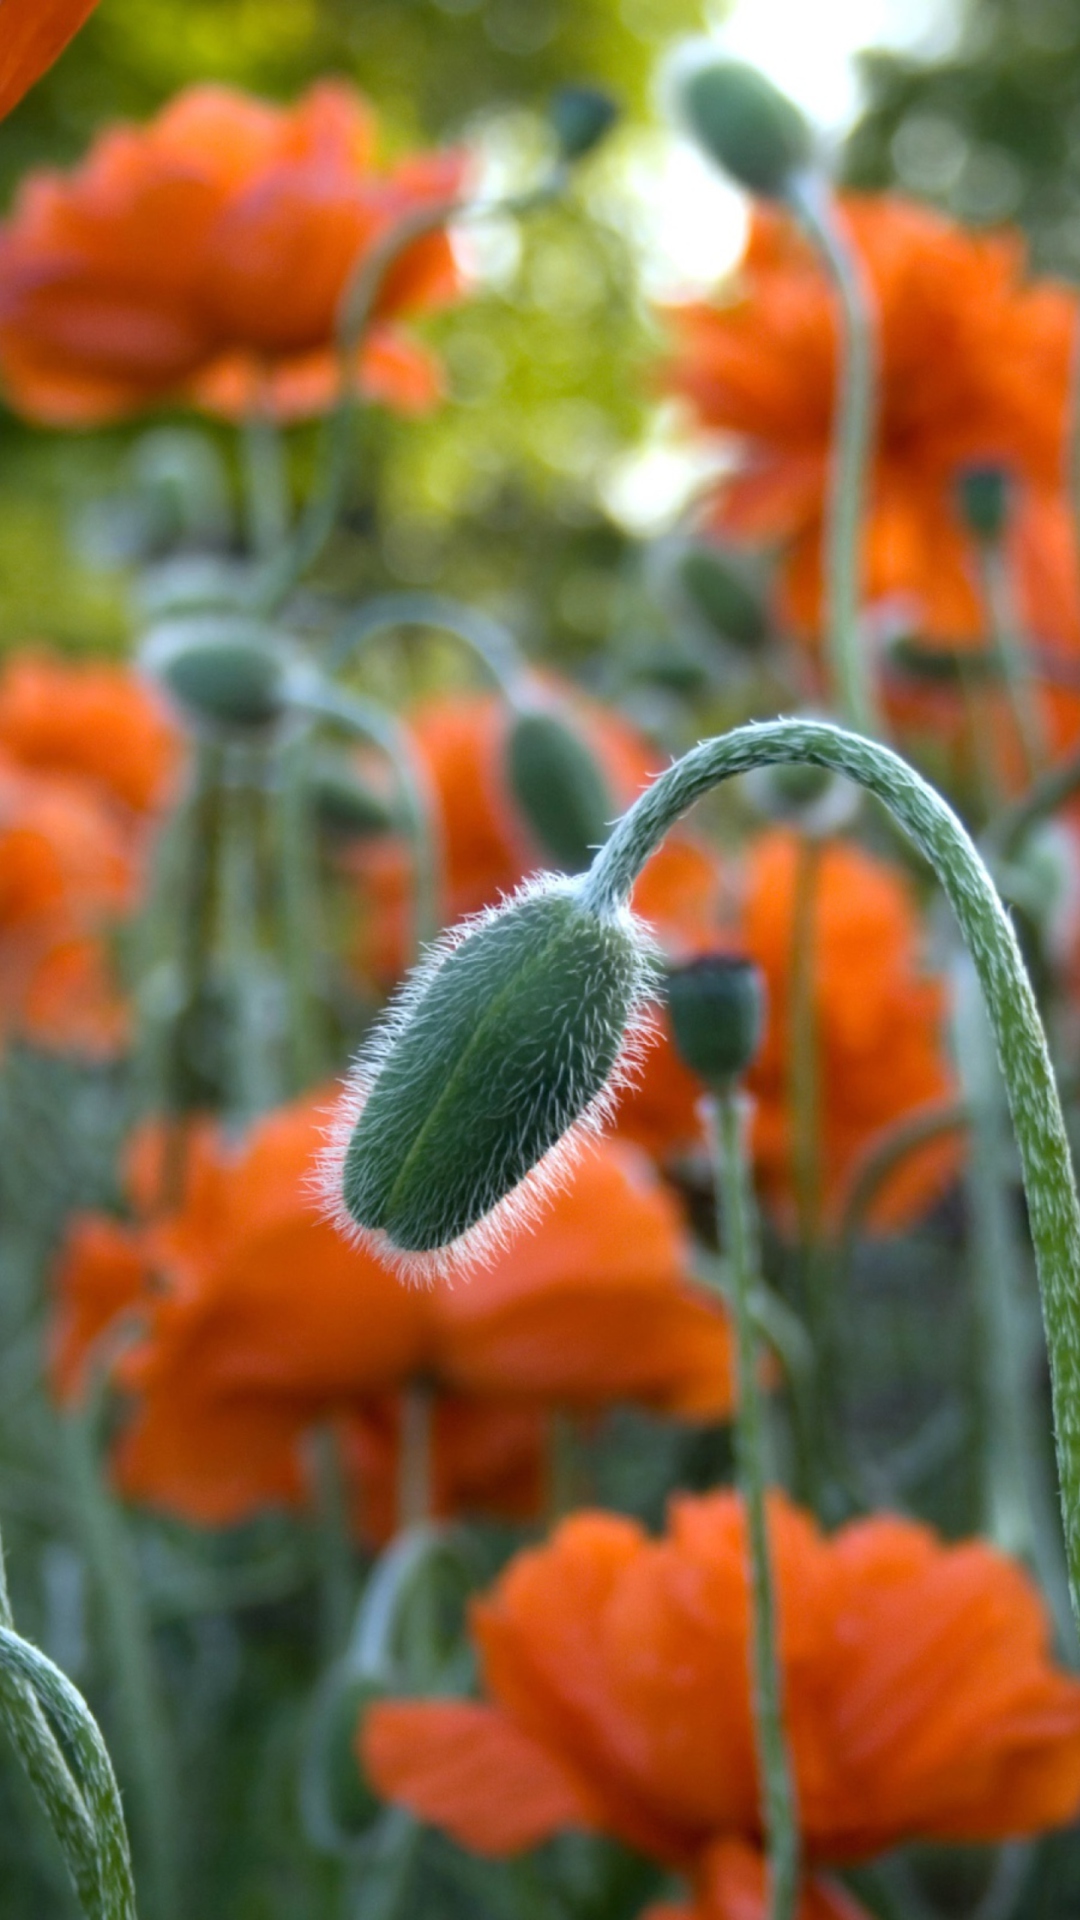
[(984, 501), (559, 788), (223, 670), (581, 117), (747, 126), (497, 1053), (343, 803), (719, 589), (717, 1008)]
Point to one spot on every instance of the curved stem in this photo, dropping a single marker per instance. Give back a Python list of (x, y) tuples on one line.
[(852, 446), (919, 1129), (1005, 834), (92, 1767), (491, 642), (727, 1115), (373, 723), (930, 823)]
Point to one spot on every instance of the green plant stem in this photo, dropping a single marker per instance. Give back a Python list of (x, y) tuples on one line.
[(370, 722), (92, 1767), (266, 489), (491, 643), (930, 823), (1005, 835), (852, 448), (1017, 1503), (48, 1773), (337, 1584), (131, 1659), (1011, 655), (728, 1115), (917, 1130), (301, 945), (416, 1456)]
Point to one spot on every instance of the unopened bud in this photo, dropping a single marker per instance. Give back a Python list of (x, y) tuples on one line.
[(984, 495), (224, 670), (343, 803), (720, 590), (559, 788), (581, 117), (747, 126), (717, 1008), (501, 1048)]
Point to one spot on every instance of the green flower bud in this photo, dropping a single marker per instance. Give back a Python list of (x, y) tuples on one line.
[(717, 1008), (498, 1052), (581, 117), (747, 126), (344, 805), (559, 788), (223, 670), (720, 590), (984, 496)]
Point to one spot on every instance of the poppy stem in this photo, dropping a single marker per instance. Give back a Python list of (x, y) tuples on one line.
[(492, 643), (812, 201), (728, 1116), (301, 945), (370, 722), (931, 825), (1011, 653)]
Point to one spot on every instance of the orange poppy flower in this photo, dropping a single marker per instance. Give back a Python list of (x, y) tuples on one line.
[(878, 1021), (921, 1701), (733, 1885), (238, 1359), (204, 257), (974, 369), (486, 851), (35, 34), (97, 721), (66, 872)]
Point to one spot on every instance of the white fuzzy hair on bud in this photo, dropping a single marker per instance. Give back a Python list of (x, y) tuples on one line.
[(512, 1040)]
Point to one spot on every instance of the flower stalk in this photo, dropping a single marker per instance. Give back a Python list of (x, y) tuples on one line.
[(932, 826), (728, 1114)]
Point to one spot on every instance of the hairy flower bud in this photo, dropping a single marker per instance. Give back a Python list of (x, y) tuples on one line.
[(581, 117), (717, 1007), (559, 788), (747, 126), (223, 670), (498, 1052)]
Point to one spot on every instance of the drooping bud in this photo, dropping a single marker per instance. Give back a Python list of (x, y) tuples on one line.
[(223, 670), (559, 788), (720, 590), (581, 117), (984, 496), (501, 1049), (344, 804), (747, 126), (717, 1008)]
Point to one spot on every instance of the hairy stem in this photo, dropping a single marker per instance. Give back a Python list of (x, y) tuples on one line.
[(728, 1114), (930, 823)]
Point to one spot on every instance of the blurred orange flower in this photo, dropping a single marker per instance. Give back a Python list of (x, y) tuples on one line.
[(878, 1023), (974, 369), (920, 1697), (732, 1884), (35, 34), (260, 1321), (204, 256), (486, 851), (86, 761)]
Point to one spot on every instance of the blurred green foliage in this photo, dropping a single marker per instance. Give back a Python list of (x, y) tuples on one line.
[(496, 496), (990, 130)]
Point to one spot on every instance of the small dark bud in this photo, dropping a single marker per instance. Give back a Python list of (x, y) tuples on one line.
[(717, 1008), (581, 117), (985, 502), (722, 593), (343, 803), (559, 788), (223, 670), (747, 126), (506, 1041)]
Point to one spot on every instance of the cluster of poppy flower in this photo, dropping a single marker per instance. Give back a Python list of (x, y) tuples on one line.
[(921, 1701)]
